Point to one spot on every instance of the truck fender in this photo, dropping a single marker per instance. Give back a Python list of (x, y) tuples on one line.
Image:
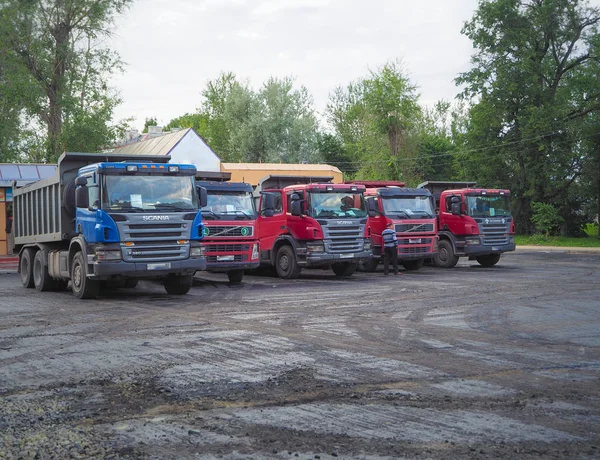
[(282, 239), (78, 244), (448, 236)]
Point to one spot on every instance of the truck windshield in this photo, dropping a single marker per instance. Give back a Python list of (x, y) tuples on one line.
[(230, 205), (149, 193), (337, 204), (488, 206), (409, 206)]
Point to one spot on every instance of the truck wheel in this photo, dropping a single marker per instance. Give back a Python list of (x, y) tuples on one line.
[(368, 265), (344, 268), (285, 263), (131, 283), (81, 285), (489, 260), (445, 258), (413, 264), (178, 284), (41, 277), (235, 276), (26, 267)]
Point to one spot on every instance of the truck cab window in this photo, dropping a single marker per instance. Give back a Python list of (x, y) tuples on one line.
[(278, 204)]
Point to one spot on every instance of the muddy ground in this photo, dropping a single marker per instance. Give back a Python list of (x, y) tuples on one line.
[(461, 363)]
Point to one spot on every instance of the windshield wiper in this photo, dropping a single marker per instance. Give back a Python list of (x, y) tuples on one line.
[(170, 206), (128, 208), (211, 213), (397, 212), (239, 213), (327, 214)]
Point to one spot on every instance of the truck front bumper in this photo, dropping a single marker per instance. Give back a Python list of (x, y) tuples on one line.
[(104, 270), (315, 259), (420, 255), (479, 249), (228, 266)]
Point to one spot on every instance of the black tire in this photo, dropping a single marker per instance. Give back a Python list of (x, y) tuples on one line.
[(344, 268), (285, 263), (41, 278), (489, 260), (445, 258), (131, 283), (235, 276), (81, 285), (413, 265), (26, 267), (178, 284), (368, 265)]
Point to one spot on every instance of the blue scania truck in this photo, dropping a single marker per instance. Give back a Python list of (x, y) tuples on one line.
[(107, 219)]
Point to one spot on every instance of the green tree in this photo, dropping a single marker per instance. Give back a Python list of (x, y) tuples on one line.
[(152, 121), (53, 45), (533, 84)]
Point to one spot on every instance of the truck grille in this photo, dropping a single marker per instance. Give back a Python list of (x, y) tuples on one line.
[(228, 230), (415, 241), (413, 250), (208, 248), (347, 238), (154, 241), (416, 228), (495, 233)]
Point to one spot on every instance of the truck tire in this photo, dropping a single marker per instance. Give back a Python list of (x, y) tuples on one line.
[(344, 268), (285, 263), (178, 284), (368, 265), (489, 260), (41, 278), (81, 285), (26, 267), (235, 276), (412, 265), (445, 258), (131, 283)]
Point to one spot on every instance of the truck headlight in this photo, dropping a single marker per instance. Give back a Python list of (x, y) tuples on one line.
[(314, 247), (254, 251), (367, 244), (197, 251), (472, 241), (102, 256), (512, 240)]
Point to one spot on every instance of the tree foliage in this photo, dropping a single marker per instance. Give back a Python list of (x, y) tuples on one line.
[(534, 85), (58, 71)]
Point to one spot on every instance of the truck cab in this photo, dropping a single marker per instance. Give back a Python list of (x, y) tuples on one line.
[(230, 237), (313, 223), (412, 213), (473, 222)]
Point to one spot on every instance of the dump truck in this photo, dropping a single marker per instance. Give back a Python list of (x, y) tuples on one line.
[(412, 213), (307, 221), (230, 237), (110, 219), (473, 222)]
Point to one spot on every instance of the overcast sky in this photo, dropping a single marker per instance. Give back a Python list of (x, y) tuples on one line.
[(173, 47)]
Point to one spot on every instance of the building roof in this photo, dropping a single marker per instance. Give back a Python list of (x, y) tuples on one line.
[(279, 167), (24, 173), (160, 146)]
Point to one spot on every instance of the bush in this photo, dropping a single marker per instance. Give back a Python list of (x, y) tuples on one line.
[(545, 217)]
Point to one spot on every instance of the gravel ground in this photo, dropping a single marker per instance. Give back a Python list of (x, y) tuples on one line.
[(461, 363)]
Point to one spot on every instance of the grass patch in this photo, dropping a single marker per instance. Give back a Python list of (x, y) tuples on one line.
[(562, 241)]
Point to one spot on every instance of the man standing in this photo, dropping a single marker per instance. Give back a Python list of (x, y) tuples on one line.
[(390, 248)]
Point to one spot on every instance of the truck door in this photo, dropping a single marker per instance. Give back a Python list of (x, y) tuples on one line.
[(449, 221), (269, 228)]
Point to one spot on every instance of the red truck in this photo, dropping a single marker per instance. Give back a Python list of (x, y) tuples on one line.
[(230, 238), (313, 223), (473, 222), (412, 213)]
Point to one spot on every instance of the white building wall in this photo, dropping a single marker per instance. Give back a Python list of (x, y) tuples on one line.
[(193, 150)]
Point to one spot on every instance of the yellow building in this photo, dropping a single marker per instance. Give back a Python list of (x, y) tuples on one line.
[(252, 173)]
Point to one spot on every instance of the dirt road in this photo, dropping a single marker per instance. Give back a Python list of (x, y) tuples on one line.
[(461, 363)]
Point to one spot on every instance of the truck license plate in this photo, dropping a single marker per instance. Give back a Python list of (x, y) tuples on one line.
[(225, 258), (495, 249), (160, 266), (346, 256), (414, 241)]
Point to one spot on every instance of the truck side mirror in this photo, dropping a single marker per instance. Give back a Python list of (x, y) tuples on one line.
[(268, 201), (82, 199), (455, 209), (296, 208), (202, 196), (372, 208), (81, 180)]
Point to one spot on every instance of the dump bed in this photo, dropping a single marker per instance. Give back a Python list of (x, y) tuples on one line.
[(44, 211)]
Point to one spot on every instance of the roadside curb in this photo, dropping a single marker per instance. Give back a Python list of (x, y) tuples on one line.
[(558, 249)]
